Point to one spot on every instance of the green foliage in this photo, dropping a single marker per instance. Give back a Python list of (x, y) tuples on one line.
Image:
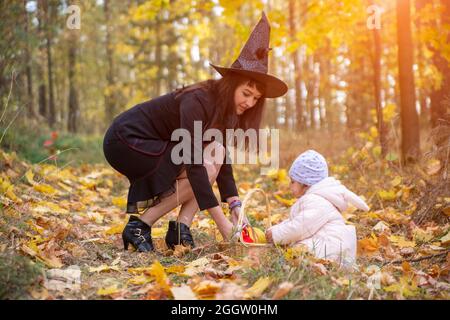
[(28, 142), (17, 274)]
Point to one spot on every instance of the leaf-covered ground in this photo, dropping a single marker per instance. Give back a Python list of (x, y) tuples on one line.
[(60, 238)]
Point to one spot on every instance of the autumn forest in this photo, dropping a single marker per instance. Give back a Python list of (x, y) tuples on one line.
[(368, 87)]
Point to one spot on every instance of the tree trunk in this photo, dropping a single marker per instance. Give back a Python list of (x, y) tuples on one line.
[(74, 110), (42, 89), (310, 86), (30, 98), (438, 97), (110, 100), (158, 58), (408, 114), (51, 102), (421, 62), (297, 67), (326, 86), (377, 90)]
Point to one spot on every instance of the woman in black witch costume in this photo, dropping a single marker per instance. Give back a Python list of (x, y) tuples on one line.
[(138, 145)]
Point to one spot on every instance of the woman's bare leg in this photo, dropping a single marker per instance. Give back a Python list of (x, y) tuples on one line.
[(213, 165), (188, 211), (183, 195)]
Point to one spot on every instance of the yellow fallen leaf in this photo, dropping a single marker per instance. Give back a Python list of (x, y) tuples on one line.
[(445, 239), (396, 181), (52, 261), (401, 242), (158, 232), (8, 189), (422, 235), (373, 215), (196, 266), (207, 289), (95, 216), (35, 227), (183, 292), (387, 195), (140, 280), (29, 176), (108, 291), (177, 269), (406, 287), (103, 268), (48, 207), (45, 188), (157, 271), (30, 248), (139, 270), (10, 194), (65, 187), (295, 252), (120, 202), (342, 281), (256, 290), (116, 229)]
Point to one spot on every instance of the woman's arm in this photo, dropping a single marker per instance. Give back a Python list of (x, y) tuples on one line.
[(224, 225), (235, 211), (191, 110)]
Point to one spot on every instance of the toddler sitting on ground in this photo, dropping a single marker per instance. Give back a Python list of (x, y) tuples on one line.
[(315, 219)]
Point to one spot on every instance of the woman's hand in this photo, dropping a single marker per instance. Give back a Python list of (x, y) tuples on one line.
[(223, 224), (235, 216)]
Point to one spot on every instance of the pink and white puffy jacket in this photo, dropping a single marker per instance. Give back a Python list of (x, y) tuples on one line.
[(315, 220)]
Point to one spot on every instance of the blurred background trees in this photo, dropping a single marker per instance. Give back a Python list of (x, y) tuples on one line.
[(343, 75)]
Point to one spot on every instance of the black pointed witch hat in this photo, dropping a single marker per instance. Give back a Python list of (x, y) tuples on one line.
[(253, 60)]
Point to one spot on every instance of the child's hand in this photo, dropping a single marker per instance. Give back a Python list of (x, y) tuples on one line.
[(269, 238)]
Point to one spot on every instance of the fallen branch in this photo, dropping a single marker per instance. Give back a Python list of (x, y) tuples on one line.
[(418, 259)]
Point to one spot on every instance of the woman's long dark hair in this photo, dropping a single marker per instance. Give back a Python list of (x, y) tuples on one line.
[(225, 116)]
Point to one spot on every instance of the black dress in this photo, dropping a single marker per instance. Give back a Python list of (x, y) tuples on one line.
[(138, 145)]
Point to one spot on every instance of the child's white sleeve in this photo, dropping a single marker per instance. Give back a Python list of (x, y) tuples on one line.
[(352, 198), (303, 224)]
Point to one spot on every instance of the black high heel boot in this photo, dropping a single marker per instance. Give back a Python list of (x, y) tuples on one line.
[(138, 234), (179, 233)]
